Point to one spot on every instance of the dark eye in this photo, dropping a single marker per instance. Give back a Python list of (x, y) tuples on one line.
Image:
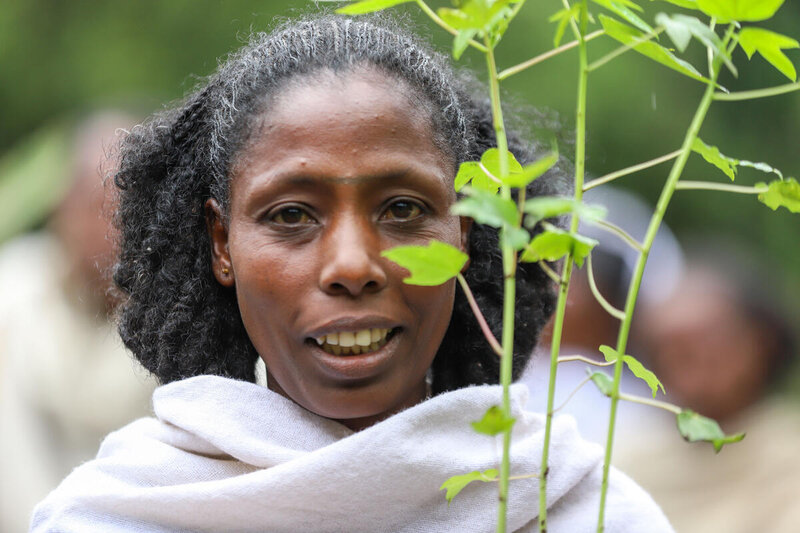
[(292, 215), (402, 210)]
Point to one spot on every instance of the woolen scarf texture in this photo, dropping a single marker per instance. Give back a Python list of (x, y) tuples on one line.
[(226, 455)]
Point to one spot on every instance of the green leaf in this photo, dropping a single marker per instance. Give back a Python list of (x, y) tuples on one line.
[(517, 238), (494, 422), (554, 243), (532, 171), (461, 42), (486, 208), (636, 368), (694, 427), (491, 162), (678, 26), (433, 264), (712, 155), (739, 10), (624, 8), (552, 206), (603, 382), (784, 193), (471, 171), (769, 44), (631, 36), (486, 16), (456, 484), (563, 17), (369, 6)]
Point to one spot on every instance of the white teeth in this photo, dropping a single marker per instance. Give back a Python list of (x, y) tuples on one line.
[(375, 334), (347, 338), (320, 340), (332, 338)]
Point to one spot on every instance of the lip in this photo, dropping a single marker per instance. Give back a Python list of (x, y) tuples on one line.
[(352, 323), (356, 367)]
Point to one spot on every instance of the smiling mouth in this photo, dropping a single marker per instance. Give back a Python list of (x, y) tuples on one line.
[(355, 342)]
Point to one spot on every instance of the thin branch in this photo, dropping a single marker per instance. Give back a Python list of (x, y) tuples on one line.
[(758, 93), (550, 272), (524, 476), (573, 393), (621, 233), (572, 22), (622, 49), (610, 309), (630, 170), (568, 358), (449, 29), (714, 186), (516, 69), (653, 403), (487, 332)]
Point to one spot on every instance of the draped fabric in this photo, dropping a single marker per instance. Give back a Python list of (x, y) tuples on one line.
[(226, 455)]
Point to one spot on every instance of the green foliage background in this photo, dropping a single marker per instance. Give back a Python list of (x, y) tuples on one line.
[(61, 58)]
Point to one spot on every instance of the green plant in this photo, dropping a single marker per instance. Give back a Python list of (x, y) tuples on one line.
[(486, 185)]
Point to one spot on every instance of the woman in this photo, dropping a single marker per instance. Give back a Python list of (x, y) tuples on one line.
[(252, 220)]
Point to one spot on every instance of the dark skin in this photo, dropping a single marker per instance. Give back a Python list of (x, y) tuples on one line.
[(340, 169)]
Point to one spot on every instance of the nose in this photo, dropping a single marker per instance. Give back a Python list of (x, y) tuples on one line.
[(352, 264)]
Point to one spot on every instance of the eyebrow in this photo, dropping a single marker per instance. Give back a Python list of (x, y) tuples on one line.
[(304, 180)]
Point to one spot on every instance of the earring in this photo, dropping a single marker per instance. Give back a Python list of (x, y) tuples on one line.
[(226, 271)]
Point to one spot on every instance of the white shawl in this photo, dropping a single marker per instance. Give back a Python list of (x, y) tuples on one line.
[(226, 455)]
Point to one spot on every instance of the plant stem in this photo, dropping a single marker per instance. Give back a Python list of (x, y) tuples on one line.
[(568, 358), (510, 286), (622, 49), (652, 403), (630, 170), (713, 186), (619, 232), (580, 160), (636, 280), (550, 272), (573, 393), (487, 332), (516, 69), (442, 24), (610, 309)]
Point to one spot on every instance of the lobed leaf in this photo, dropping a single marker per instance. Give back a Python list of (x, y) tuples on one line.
[(429, 265), (491, 162), (456, 484), (461, 42), (770, 45), (681, 28), (633, 37), (494, 422), (486, 208), (554, 243), (563, 17), (369, 6), (636, 368), (712, 155), (532, 171), (471, 171), (603, 382), (694, 427), (739, 10), (785, 193), (552, 206)]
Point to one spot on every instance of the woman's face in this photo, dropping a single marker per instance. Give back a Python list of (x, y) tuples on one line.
[(340, 169)]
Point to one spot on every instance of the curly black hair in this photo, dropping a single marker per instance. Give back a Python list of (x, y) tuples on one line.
[(177, 320)]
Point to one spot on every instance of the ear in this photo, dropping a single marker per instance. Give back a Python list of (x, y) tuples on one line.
[(466, 227), (221, 264)]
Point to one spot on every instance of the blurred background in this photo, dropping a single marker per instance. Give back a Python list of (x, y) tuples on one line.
[(65, 62)]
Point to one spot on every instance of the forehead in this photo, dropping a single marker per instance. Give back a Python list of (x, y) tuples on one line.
[(344, 126)]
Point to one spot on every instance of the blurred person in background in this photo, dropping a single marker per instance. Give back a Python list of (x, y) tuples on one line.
[(721, 344), (65, 378), (587, 325)]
